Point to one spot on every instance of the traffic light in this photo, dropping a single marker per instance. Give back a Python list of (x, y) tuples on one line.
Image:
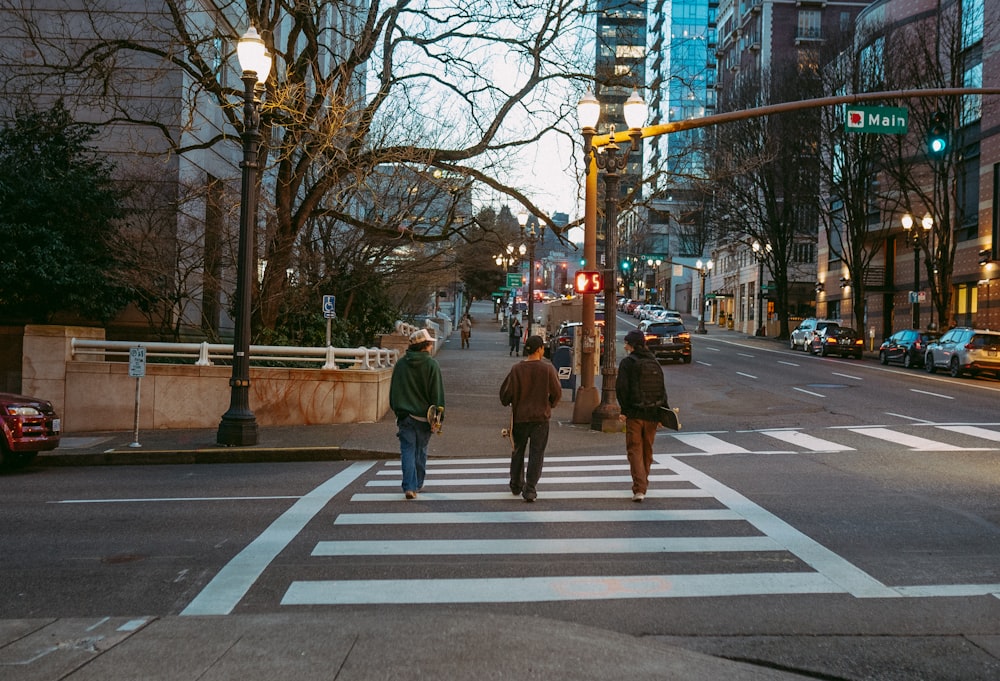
[(589, 282), (937, 136), (625, 265)]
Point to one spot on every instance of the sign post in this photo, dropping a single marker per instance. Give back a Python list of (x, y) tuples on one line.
[(330, 313), (136, 369)]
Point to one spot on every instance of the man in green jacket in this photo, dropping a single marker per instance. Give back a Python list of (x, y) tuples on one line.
[(416, 386)]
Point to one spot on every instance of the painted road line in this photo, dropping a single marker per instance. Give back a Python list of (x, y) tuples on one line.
[(837, 570), (686, 493), (974, 431), (506, 469), (814, 444), (925, 392), (917, 444), (740, 373), (535, 589), (431, 482), (709, 444), (497, 547), (506, 459), (234, 580), (505, 517), (853, 378), (809, 392), (791, 364), (139, 500)]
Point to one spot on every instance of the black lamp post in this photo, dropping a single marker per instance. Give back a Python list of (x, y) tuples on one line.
[(531, 237), (916, 236), (760, 252), (239, 425), (703, 269), (605, 416)]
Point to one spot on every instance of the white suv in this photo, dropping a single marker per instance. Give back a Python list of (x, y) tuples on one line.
[(964, 350), (802, 336)]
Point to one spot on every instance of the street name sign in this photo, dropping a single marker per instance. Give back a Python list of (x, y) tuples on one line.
[(886, 120)]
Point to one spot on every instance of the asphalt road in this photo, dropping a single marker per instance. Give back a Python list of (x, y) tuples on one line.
[(833, 517)]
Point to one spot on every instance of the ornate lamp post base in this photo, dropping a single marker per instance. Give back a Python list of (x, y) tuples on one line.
[(605, 417), (236, 430)]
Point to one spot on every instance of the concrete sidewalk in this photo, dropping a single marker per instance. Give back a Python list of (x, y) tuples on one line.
[(473, 420), (346, 643)]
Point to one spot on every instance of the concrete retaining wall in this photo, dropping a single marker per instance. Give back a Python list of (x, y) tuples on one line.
[(100, 395)]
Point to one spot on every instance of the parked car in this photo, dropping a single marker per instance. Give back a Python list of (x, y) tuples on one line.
[(833, 339), (29, 426), (563, 336), (906, 347), (802, 336), (567, 331), (964, 350), (668, 340)]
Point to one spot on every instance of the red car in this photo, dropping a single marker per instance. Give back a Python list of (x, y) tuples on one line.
[(29, 426)]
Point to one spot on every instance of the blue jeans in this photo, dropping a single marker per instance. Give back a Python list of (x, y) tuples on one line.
[(413, 437)]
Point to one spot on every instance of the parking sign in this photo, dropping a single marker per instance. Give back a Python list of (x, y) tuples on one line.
[(330, 307)]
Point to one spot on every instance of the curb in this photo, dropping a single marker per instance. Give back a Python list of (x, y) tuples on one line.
[(211, 456)]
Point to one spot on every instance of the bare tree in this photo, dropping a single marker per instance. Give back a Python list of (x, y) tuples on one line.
[(945, 186), (858, 215), (768, 175), (361, 94)]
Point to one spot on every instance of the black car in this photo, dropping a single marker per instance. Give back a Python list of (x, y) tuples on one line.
[(669, 340), (838, 340), (906, 347)]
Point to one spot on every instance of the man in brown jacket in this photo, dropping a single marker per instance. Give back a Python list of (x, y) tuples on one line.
[(533, 388)]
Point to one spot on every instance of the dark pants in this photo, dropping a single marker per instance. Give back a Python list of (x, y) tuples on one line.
[(639, 435), (533, 437), (515, 345)]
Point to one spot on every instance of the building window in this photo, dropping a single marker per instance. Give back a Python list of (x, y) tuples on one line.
[(972, 23), (810, 23), (972, 105)]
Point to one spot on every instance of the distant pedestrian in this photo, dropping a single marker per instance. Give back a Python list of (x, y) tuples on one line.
[(416, 386), (532, 389), (515, 337), (641, 392), (465, 326)]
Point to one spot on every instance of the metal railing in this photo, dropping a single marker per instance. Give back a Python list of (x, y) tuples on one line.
[(206, 354)]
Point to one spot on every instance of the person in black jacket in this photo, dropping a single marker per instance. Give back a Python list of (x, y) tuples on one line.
[(640, 422), (532, 387)]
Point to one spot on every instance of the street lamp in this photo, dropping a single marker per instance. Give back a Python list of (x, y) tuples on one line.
[(239, 425), (760, 252), (605, 416), (916, 236), (703, 269), (531, 237)]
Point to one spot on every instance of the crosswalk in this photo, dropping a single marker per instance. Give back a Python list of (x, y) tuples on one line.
[(920, 438), (468, 540)]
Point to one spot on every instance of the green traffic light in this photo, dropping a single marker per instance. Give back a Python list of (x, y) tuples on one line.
[(937, 135)]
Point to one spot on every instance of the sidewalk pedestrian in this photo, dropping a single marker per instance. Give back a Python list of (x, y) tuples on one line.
[(515, 337), (465, 326), (532, 389), (641, 392), (416, 386)]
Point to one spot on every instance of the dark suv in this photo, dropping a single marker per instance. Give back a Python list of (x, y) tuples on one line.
[(906, 347), (963, 350), (669, 340)]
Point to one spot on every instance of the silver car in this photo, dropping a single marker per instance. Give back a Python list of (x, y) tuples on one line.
[(801, 337), (964, 351)]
